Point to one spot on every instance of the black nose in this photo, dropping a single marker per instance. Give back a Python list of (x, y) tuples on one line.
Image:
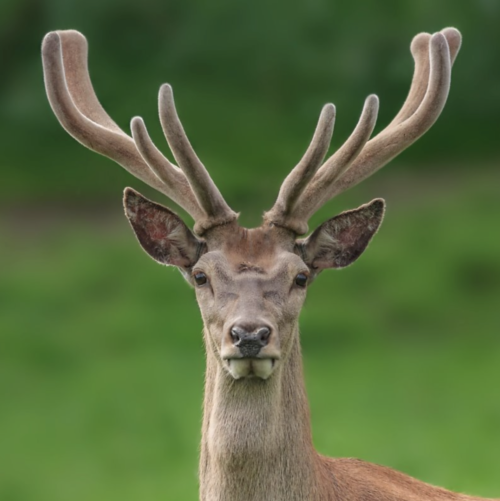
[(250, 339)]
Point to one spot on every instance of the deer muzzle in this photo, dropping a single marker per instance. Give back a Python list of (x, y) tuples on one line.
[(250, 350)]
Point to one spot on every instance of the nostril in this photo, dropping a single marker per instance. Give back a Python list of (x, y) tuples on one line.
[(263, 335), (250, 338), (236, 335)]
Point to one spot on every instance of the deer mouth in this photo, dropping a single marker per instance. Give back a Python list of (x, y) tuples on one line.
[(260, 368)]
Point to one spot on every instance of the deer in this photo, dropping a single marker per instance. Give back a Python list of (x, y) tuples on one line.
[(250, 284)]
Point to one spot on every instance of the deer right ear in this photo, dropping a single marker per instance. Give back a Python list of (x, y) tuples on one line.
[(161, 232), (339, 241)]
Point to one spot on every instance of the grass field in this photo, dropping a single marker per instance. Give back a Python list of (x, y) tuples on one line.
[(101, 357)]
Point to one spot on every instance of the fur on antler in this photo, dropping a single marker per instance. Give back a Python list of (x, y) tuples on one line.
[(75, 104), (310, 185)]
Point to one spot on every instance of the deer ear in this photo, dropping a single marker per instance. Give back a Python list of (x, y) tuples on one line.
[(161, 232), (339, 241)]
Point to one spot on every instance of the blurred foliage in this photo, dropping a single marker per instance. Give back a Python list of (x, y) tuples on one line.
[(101, 358)]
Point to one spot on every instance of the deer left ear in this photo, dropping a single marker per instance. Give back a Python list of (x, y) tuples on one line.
[(339, 241), (161, 232)]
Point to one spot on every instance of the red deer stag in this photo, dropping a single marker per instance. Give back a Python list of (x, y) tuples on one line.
[(251, 283)]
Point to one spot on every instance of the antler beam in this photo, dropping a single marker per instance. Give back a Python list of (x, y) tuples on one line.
[(75, 104), (358, 158)]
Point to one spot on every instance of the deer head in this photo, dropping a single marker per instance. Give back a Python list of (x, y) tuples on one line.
[(250, 283)]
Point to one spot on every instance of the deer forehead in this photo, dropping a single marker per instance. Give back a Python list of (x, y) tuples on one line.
[(261, 269)]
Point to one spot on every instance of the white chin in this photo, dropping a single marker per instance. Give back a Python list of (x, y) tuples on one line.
[(245, 367)]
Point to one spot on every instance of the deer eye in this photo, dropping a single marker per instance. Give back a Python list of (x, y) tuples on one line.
[(200, 278), (301, 280)]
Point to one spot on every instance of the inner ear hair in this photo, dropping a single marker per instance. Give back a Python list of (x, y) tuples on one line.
[(161, 232), (338, 242)]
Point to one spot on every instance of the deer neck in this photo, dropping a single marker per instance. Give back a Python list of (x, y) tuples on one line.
[(256, 437)]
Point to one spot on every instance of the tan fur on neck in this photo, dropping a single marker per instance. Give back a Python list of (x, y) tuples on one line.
[(256, 445)]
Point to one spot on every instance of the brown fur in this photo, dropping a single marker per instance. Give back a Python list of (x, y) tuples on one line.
[(256, 436)]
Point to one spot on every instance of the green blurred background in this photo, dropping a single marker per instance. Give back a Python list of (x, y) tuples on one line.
[(101, 357)]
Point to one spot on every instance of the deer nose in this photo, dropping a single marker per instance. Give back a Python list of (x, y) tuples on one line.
[(250, 339)]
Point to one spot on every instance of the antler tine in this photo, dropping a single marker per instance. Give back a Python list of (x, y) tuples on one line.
[(205, 190), (420, 52), (169, 173), (295, 183), (316, 192), (73, 51), (73, 100), (454, 39)]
